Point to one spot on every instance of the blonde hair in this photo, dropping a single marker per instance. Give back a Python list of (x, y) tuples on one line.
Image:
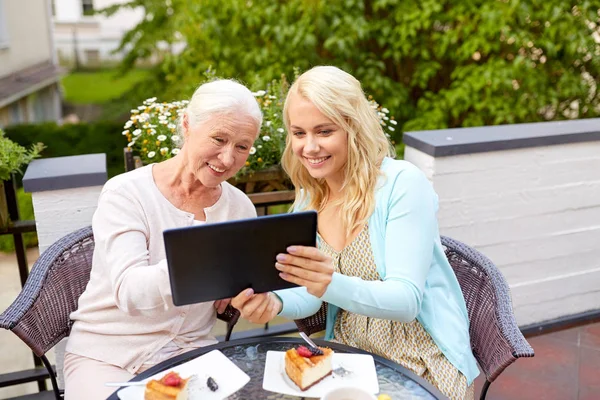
[(339, 96)]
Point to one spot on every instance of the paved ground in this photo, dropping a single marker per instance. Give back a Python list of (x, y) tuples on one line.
[(566, 366)]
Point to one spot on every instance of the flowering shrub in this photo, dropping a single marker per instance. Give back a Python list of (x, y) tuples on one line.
[(152, 129)]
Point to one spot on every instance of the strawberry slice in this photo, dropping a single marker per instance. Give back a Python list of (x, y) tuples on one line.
[(304, 351), (172, 379)]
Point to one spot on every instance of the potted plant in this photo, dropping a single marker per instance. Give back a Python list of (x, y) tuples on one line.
[(152, 136), (12, 158)]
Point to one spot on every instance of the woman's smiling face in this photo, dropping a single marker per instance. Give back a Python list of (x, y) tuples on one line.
[(320, 144)]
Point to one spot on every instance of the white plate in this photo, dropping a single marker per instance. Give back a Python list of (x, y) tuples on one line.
[(362, 366), (226, 374)]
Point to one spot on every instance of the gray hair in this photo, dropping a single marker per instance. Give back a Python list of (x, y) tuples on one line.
[(222, 96)]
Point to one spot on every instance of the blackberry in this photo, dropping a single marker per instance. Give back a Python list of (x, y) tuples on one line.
[(316, 351), (212, 385)]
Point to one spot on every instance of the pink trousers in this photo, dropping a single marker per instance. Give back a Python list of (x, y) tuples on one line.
[(85, 378)]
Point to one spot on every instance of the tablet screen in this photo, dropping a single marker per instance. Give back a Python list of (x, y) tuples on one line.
[(215, 261)]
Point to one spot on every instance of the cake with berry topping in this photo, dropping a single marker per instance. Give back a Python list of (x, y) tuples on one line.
[(169, 387), (307, 366)]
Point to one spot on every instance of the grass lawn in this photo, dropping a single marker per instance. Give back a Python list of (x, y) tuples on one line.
[(97, 87)]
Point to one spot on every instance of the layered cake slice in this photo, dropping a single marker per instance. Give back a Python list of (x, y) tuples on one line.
[(169, 387), (307, 366)]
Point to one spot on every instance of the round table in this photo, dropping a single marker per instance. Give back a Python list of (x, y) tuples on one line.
[(249, 355)]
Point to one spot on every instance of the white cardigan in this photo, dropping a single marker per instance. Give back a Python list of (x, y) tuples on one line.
[(126, 314)]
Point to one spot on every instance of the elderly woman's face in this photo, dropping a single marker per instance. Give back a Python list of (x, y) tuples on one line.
[(219, 147)]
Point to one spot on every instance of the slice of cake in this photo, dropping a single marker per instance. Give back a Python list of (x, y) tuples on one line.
[(306, 367), (169, 387)]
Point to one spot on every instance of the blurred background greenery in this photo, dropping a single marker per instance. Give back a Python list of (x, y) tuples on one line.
[(433, 63)]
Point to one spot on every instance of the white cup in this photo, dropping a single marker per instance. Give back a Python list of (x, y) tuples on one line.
[(348, 393)]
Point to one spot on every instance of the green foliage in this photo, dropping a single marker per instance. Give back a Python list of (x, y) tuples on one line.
[(434, 63), (75, 139), (96, 87), (25, 213), (13, 156)]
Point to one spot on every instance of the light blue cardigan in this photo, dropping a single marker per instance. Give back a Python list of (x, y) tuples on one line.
[(417, 280)]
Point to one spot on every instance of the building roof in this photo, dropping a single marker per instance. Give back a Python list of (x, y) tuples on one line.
[(22, 83)]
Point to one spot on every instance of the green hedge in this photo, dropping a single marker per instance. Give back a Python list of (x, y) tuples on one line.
[(75, 139)]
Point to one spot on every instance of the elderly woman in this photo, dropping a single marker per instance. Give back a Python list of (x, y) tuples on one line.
[(126, 321)]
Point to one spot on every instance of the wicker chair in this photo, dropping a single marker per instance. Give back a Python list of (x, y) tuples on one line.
[(40, 313), (496, 340)]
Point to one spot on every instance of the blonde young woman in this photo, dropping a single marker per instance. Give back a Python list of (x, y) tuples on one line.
[(379, 264)]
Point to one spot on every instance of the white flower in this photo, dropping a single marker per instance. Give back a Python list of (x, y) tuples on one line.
[(175, 138), (259, 146), (280, 130), (134, 111), (393, 121), (164, 150), (152, 131), (266, 138), (391, 128), (252, 150), (272, 97), (137, 132), (260, 93), (161, 138), (130, 143), (151, 154), (268, 123), (162, 117), (125, 132), (163, 122), (171, 126), (386, 118), (175, 151), (150, 100), (128, 124), (141, 107), (385, 110)]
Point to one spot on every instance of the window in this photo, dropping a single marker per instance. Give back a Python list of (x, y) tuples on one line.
[(92, 57), (17, 116), (3, 27), (88, 7)]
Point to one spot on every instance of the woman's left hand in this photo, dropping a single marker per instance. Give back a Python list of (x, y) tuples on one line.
[(306, 266)]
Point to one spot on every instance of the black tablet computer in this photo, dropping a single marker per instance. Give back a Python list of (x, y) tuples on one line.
[(216, 261)]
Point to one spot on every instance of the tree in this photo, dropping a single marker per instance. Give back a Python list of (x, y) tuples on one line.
[(435, 63)]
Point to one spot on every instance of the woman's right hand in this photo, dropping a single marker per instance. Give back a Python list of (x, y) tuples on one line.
[(257, 308)]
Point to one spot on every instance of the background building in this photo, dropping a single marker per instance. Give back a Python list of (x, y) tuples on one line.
[(85, 39), (29, 72)]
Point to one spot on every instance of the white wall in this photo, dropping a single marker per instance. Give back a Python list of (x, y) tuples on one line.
[(535, 212), (95, 32), (60, 212), (29, 37)]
